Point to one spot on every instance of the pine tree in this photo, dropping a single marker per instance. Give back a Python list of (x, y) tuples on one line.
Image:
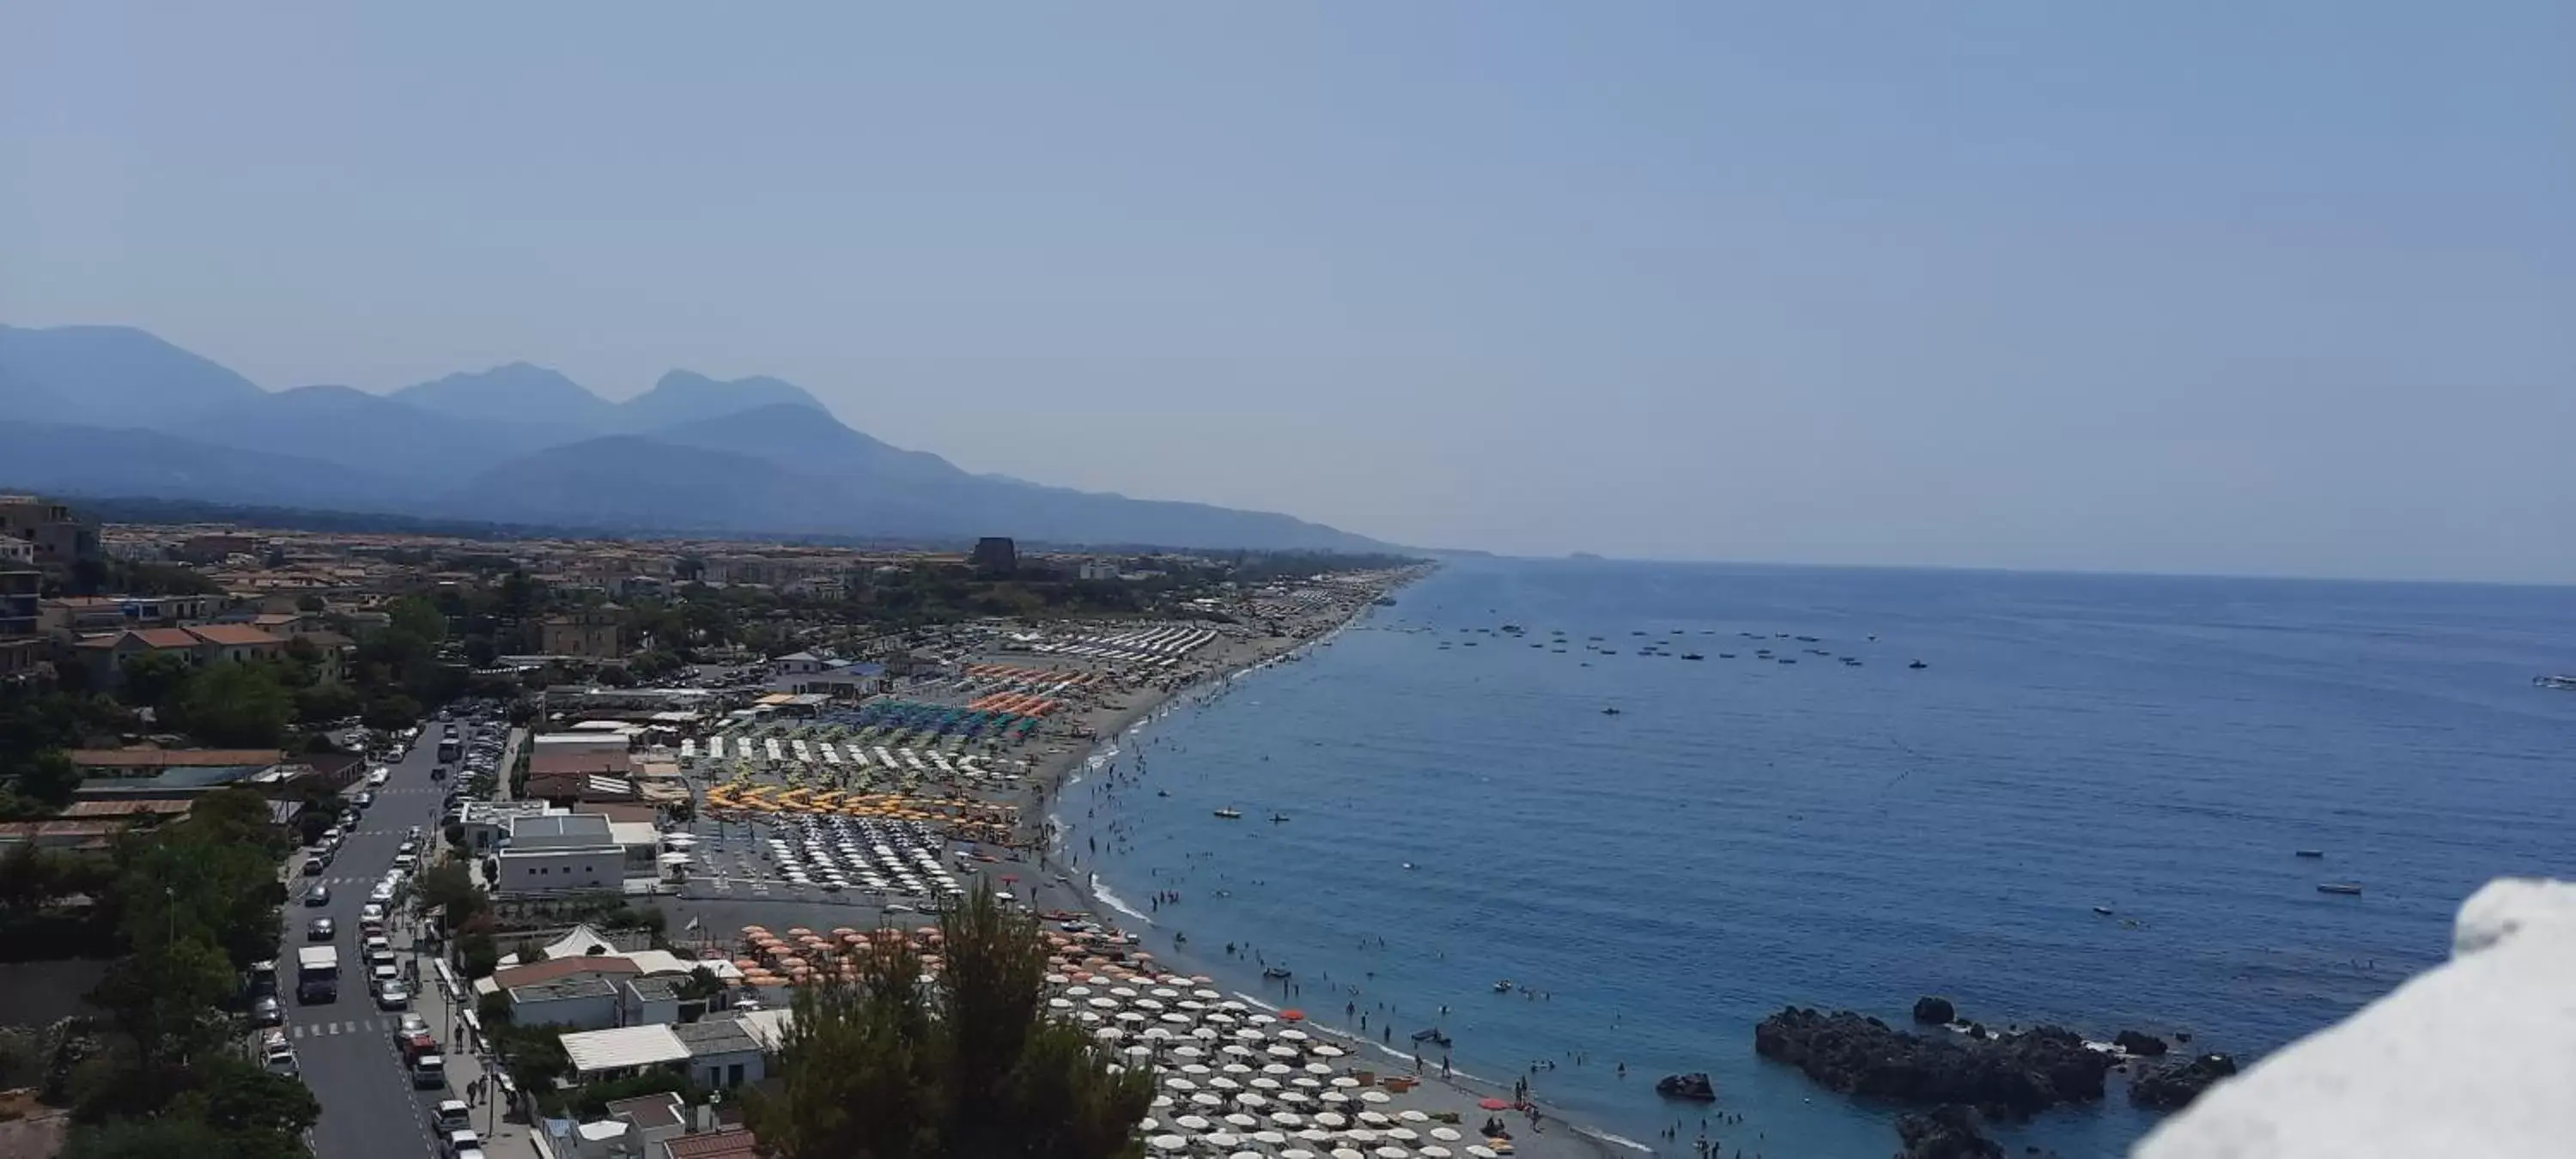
[(968, 1065)]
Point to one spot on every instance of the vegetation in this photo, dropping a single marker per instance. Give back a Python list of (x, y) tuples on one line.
[(969, 1064)]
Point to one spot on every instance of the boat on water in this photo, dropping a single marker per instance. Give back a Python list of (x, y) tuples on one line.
[(1433, 1035), (1612, 710), (1693, 656), (1278, 818), (2312, 853), (1230, 814), (1726, 655), (2103, 910), (1788, 659), (1503, 986), (2345, 888), (2562, 683), (1918, 664), (1274, 973)]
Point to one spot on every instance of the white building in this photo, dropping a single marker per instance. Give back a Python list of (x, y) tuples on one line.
[(560, 852)]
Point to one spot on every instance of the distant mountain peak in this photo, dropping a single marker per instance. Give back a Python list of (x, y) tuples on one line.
[(512, 392), (687, 396)]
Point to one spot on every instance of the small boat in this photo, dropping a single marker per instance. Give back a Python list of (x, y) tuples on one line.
[(1230, 814), (2312, 853), (1918, 664), (2345, 888), (1274, 973), (2562, 683), (1726, 655), (1503, 987), (1613, 710), (1432, 1035), (1277, 818), (2103, 910), (1788, 659), (1693, 656)]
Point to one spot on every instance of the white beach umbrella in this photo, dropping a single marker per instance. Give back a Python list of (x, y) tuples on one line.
[(1315, 1135), (1400, 1134), (1077, 991), (1239, 1119), (1293, 1035), (1345, 1082), (1224, 1083), (1231, 1004), (1130, 1016), (1236, 1068), (1480, 1151), (1446, 1134), (1059, 1003), (1331, 1119), (1239, 1050), (1318, 1068), (1146, 1004), (1288, 1118), (1264, 1083), (1268, 1138), (1182, 1085), (1261, 1020), (1327, 1050), (1360, 1135), (1221, 1139), (1348, 1153), (1191, 1004), (1245, 1155), (1412, 1116), (1432, 1151), (1335, 1096), (1374, 1119), (1157, 1034), (1296, 1153), (1103, 1003), (1196, 1069), (1108, 1034), (1161, 1103), (1175, 1019), (1147, 1124), (1140, 1053), (1190, 1123), (1252, 1099), (1169, 1143), (1221, 1018), (1294, 1097), (1087, 1016), (1204, 1034), (1053, 979), (1206, 995), (1166, 993), (1187, 1051), (1252, 1034), (1376, 1096), (1277, 1069), (1391, 1153), (1281, 1052), (1121, 992), (1204, 1099)]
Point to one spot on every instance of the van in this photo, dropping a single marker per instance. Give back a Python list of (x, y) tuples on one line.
[(428, 1072)]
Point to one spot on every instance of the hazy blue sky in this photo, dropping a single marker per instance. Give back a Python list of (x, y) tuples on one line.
[(2190, 286)]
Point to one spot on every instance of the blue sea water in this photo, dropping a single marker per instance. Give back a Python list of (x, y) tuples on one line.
[(1746, 835)]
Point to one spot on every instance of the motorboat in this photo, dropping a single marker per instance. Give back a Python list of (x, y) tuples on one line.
[(1230, 814), (2346, 888), (1275, 973), (1612, 710), (1693, 656), (1277, 818), (1503, 986), (1918, 664), (1433, 1035), (2312, 853), (2103, 910), (2562, 683)]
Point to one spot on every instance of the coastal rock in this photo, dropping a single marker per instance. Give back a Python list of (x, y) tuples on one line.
[(2008, 1076), (1947, 1132), (2173, 1087), (2142, 1045), (1694, 1086), (1936, 1011)]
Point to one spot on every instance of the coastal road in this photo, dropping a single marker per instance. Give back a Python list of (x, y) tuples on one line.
[(346, 1048)]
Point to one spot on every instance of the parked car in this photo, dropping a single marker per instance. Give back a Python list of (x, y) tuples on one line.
[(267, 1012), (319, 930), (392, 996)]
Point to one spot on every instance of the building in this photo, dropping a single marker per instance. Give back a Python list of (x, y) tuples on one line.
[(798, 664), (214, 548), (59, 537), (22, 644), (71, 617), (241, 643), (107, 654), (726, 1143), (143, 763), (591, 634), (557, 853), (995, 555)]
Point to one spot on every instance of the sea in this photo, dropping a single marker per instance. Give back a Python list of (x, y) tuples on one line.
[(1743, 834)]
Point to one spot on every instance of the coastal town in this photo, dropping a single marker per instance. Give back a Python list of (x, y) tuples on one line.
[(550, 832)]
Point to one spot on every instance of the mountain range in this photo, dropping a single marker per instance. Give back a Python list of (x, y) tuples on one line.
[(116, 411)]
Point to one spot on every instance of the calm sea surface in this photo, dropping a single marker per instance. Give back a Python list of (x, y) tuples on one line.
[(1747, 834)]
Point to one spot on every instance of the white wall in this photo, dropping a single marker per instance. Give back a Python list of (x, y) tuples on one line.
[(2475, 1057), (550, 870)]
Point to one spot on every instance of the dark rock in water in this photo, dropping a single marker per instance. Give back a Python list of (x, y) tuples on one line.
[(1936, 1011), (1976, 1030), (1694, 1086), (1948, 1132), (2004, 1077), (2143, 1045), (2173, 1087), (2182, 1036)]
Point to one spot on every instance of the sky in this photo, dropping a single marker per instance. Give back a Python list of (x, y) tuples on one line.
[(2279, 288)]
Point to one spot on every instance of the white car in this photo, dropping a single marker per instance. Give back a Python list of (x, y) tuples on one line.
[(379, 776)]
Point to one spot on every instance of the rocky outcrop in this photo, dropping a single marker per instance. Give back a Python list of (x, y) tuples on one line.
[(2141, 1045), (1936, 1011), (2008, 1076), (1694, 1086), (2174, 1086), (1947, 1132)]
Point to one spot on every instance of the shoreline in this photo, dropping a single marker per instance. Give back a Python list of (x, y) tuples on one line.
[(1042, 831)]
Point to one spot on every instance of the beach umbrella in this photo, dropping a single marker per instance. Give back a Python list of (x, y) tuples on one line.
[(1223, 1083), (1060, 1003), (1269, 1138), (1277, 1069), (1237, 1068), (1314, 1135), (1318, 1068), (1204, 1099), (1160, 1103), (1293, 1035), (1480, 1152), (1391, 1153), (1280, 1052), (1400, 1134), (1432, 1151), (1296, 1153), (1288, 1118), (1169, 1143), (1332, 1119), (1242, 1120), (1190, 1123), (1360, 1135), (1324, 1051), (1180, 1084), (1264, 1083), (1493, 1104), (1348, 1153), (1251, 1099), (1335, 1096), (1345, 1082), (1446, 1134), (1296, 1096), (1147, 1124), (1412, 1116), (1374, 1119), (1157, 1034), (1376, 1096), (1221, 1139), (1194, 1068)]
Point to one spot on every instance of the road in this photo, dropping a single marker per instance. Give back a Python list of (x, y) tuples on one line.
[(346, 1048)]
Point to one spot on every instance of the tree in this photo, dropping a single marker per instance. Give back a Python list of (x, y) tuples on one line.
[(152, 678), (48, 778), (236, 705), (973, 1065), (391, 712), (324, 703), (243, 1100), (480, 651), (164, 998), (449, 888), (164, 1138)]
